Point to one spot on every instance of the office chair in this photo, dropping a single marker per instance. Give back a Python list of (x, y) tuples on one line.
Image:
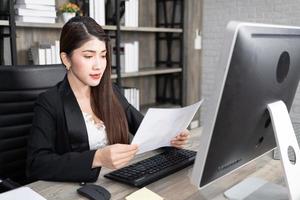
[(19, 88)]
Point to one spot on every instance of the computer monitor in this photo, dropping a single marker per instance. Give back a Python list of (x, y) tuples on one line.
[(260, 65)]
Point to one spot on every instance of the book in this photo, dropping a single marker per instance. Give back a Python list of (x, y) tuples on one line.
[(132, 95), (53, 54), (35, 13), (32, 19), (127, 13), (136, 13), (136, 56), (48, 56), (57, 50), (36, 7), (38, 2), (131, 52), (131, 13), (100, 11), (128, 52), (41, 56), (44, 54), (91, 9)]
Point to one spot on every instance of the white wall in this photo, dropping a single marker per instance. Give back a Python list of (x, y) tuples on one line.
[(217, 13)]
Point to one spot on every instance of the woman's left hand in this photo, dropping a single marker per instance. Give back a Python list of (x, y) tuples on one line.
[(181, 139)]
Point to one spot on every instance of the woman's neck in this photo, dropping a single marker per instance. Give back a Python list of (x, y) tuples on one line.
[(82, 93), (81, 90)]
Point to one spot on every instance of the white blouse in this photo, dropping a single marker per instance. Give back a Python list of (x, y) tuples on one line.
[(96, 132)]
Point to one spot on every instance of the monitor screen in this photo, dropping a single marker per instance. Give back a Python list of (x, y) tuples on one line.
[(261, 65)]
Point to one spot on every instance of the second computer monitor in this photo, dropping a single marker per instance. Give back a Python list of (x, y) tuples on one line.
[(261, 65)]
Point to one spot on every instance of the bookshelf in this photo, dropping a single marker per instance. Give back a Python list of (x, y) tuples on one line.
[(150, 70), (108, 27)]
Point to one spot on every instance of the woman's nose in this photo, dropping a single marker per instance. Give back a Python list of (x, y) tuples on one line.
[(97, 64)]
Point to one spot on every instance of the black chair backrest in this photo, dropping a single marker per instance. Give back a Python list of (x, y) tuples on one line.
[(19, 88)]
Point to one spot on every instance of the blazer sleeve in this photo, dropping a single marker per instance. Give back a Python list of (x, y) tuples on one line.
[(44, 162), (134, 117)]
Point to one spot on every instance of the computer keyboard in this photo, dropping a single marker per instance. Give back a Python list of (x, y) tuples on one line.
[(156, 167)]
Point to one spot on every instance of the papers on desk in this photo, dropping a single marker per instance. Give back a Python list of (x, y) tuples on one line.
[(21, 193), (160, 126), (144, 194)]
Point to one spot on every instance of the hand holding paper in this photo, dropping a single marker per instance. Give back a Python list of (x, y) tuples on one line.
[(180, 139), (160, 126)]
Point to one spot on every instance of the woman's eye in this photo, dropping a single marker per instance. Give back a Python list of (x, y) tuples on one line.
[(88, 57), (103, 56)]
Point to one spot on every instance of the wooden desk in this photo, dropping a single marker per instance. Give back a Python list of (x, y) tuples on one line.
[(173, 187)]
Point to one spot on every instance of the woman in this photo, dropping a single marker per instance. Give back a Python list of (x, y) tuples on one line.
[(82, 123)]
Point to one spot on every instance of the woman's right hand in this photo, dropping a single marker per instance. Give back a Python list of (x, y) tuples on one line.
[(114, 156)]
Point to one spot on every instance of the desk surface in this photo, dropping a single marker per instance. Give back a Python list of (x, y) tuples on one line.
[(174, 187)]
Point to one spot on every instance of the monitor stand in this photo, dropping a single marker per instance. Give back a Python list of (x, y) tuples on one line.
[(257, 189)]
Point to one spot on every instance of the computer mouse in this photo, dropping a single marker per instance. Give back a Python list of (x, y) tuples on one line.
[(94, 192)]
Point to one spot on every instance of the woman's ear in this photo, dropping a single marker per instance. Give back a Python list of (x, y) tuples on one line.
[(65, 59)]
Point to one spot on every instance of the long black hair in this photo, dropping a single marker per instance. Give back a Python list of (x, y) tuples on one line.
[(104, 102)]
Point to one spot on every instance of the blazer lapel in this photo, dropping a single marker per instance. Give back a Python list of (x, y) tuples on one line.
[(77, 131)]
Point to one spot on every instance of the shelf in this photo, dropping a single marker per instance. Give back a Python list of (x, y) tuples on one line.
[(145, 29), (39, 25), (48, 25), (148, 72), (151, 29), (109, 27)]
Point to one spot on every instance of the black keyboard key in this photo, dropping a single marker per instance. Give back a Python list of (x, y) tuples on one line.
[(149, 170)]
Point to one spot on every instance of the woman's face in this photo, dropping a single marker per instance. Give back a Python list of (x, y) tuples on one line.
[(88, 62)]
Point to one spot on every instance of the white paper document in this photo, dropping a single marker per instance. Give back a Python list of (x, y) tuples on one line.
[(21, 193), (161, 125)]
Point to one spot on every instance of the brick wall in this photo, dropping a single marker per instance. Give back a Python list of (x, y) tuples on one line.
[(216, 15)]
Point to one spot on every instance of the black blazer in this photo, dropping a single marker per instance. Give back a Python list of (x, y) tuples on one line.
[(58, 148)]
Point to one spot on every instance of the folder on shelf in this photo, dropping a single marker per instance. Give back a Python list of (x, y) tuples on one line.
[(32, 19), (38, 2), (97, 11), (57, 49), (131, 13), (131, 52), (45, 54), (132, 95), (91, 9), (35, 13), (36, 7)]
